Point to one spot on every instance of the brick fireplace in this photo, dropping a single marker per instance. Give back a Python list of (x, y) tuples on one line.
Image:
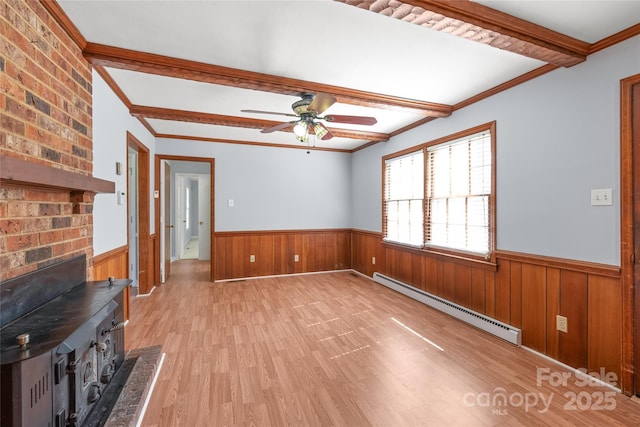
[(46, 188)]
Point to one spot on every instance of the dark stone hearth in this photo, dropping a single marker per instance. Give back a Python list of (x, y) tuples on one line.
[(128, 407)]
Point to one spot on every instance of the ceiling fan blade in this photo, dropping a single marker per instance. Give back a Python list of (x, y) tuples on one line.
[(278, 127), (268, 112), (352, 120), (321, 102), (329, 135)]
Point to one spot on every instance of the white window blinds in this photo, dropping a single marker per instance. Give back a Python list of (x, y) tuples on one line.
[(404, 199), (458, 180)]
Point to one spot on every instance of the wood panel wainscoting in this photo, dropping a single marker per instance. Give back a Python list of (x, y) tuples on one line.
[(274, 252), (114, 263), (526, 291)]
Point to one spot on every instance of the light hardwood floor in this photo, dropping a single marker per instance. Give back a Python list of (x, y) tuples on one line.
[(337, 349)]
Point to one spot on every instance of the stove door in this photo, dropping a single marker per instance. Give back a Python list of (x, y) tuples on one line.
[(84, 389)]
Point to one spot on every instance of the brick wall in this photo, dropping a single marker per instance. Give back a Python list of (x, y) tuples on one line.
[(45, 115)]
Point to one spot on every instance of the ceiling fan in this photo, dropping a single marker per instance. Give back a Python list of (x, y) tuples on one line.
[(308, 111)]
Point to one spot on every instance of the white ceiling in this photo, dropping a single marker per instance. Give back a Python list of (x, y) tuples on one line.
[(322, 42)]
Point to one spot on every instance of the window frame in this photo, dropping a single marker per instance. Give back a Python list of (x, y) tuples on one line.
[(448, 253)]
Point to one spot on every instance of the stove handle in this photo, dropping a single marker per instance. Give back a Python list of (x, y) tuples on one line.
[(116, 326), (100, 346)]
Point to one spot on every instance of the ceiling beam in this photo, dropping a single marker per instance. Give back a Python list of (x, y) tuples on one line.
[(474, 21), (259, 144), (109, 56), (197, 117), (143, 112)]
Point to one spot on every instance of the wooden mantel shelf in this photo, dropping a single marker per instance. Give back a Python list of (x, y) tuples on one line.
[(18, 171)]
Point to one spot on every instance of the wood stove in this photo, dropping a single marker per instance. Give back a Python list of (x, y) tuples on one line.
[(61, 342)]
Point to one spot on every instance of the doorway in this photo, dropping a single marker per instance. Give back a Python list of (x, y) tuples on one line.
[(138, 195), (630, 232), (185, 210), (191, 215)]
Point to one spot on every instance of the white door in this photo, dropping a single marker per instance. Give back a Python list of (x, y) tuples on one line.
[(166, 226), (132, 212), (186, 226), (204, 217)]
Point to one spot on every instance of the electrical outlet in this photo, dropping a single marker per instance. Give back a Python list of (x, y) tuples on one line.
[(373, 260), (602, 197), (561, 324), (252, 258), (296, 258)]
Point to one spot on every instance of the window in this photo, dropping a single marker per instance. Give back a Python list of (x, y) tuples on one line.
[(458, 192), (404, 198), (441, 196)]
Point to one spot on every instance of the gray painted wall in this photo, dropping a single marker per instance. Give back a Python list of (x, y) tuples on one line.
[(274, 188), (558, 137), (111, 121)]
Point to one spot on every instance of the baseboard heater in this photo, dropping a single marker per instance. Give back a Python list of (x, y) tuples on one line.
[(473, 318)]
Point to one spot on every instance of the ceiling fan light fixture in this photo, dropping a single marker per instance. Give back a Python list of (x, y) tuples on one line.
[(301, 130), (319, 130)]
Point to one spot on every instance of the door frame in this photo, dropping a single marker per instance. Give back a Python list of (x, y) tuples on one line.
[(629, 383), (146, 276), (211, 161), (204, 212)]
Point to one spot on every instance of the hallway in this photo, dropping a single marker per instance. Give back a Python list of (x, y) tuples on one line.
[(191, 249)]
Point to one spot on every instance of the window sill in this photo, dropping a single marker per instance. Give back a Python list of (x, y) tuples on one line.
[(445, 256)]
